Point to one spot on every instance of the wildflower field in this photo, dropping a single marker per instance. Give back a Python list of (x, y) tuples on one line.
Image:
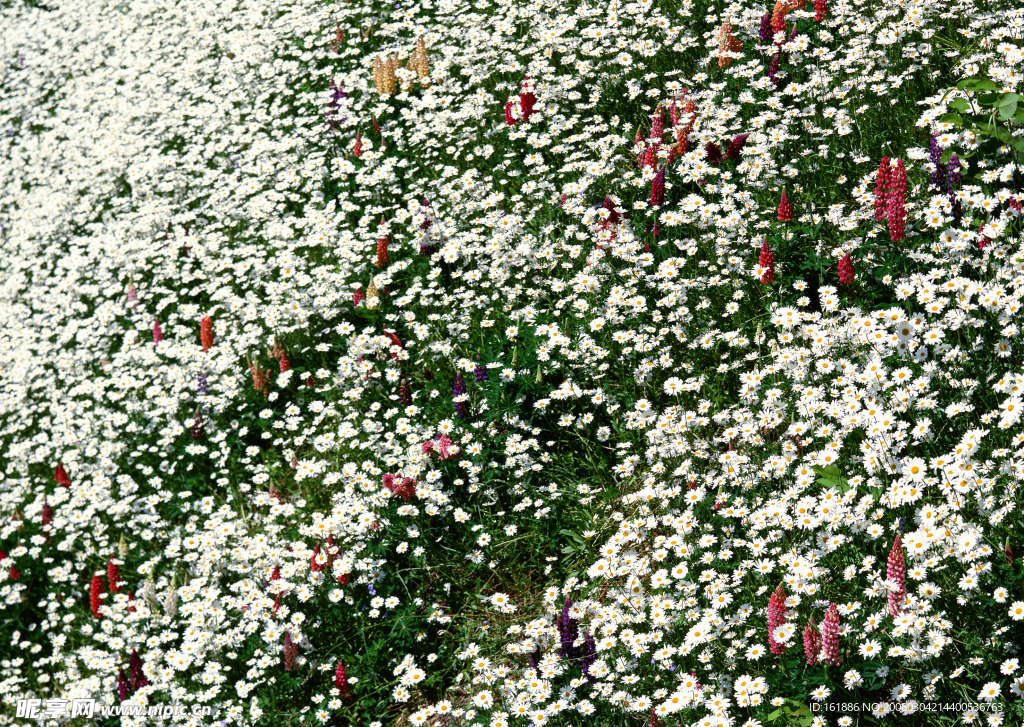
[(511, 362)]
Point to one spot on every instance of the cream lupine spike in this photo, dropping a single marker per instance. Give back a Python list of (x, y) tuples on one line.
[(422, 62), (390, 79), (372, 295)]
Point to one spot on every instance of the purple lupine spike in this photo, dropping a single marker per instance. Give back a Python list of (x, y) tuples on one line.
[(202, 385), (458, 391), (938, 175), (123, 688), (773, 70), (765, 33), (138, 676), (480, 372)]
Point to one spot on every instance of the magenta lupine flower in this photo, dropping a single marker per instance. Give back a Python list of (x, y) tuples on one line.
[(658, 189), (766, 260), (896, 570), (714, 154), (138, 676), (776, 617), (526, 99), (358, 297), (845, 267), (812, 642), (897, 202), (341, 680), (882, 189), (938, 175), (158, 334), (830, 636), (765, 34), (509, 118), (123, 688), (733, 152), (291, 652), (133, 296)]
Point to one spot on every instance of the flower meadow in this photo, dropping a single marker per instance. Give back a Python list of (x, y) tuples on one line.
[(453, 362)]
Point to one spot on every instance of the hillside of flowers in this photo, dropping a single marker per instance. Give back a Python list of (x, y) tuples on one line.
[(508, 362)]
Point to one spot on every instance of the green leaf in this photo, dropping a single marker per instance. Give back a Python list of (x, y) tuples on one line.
[(773, 716), (977, 83), (959, 104), (952, 119)]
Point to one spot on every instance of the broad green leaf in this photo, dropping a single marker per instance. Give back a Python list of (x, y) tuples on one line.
[(959, 104), (978, 83), (952, 119)]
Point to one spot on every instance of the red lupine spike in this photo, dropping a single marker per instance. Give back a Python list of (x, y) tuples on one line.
[(283, 363), (376, 126), (882, 190), (131, 608), (61, 476), (785, 212), (158, 334), (820, 10), (382, 251), (14, 573), (291, 652), (357, 297), (113, 575), (276, 575), (845, 268), (341, 680), (897, 201), (509, 118), (357, 148), (206, 333), (47, 514), (95, 594), (766, 260), (526, 99)]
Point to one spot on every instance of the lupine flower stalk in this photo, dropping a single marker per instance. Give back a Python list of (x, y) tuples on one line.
[(776, 617), (785, 211), (658, 189), (896, 571), (766, 260), (820, 10), (812, 642), (897, 202), (845, 268), (95, 595), (206, 333), (158, 334), (61, 476), (113, 575), (341, 680), (830, 636), (882, 189)]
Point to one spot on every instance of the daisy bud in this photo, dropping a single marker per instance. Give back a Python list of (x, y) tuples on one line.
[(785, 212)]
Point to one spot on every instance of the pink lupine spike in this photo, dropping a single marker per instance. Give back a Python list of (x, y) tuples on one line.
[(882, 189), (830, 636), (896, 570), (158, 334), (812, 642), (845, 268), (776, 617)]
